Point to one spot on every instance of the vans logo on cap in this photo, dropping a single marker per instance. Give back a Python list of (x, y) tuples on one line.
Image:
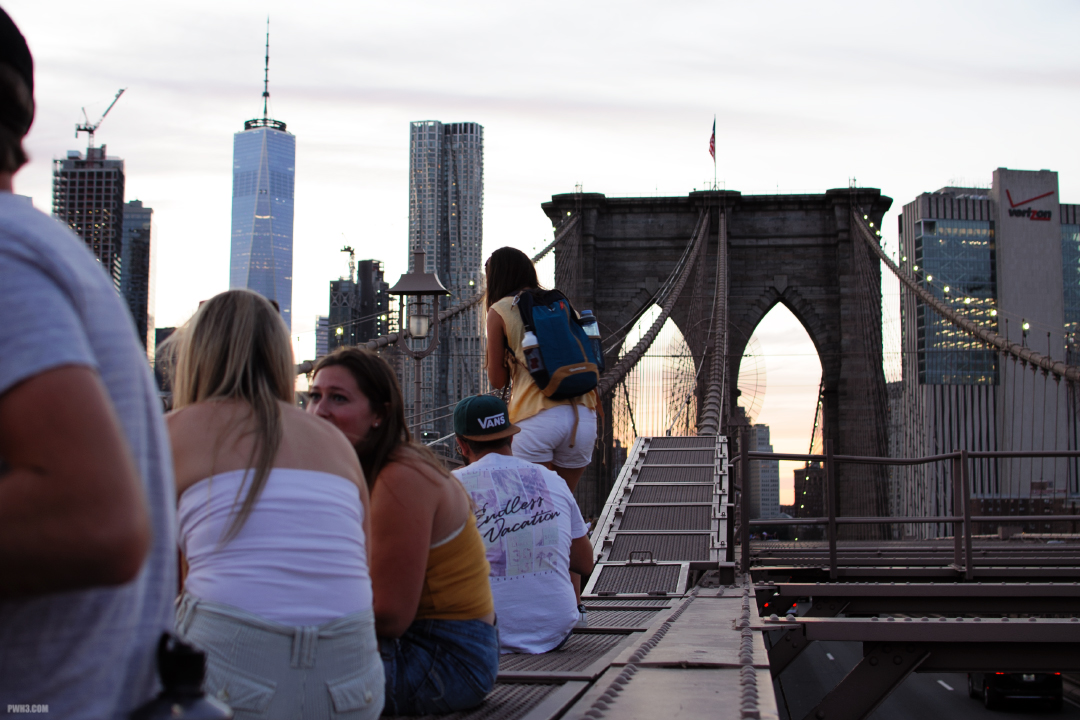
[(493, 420)]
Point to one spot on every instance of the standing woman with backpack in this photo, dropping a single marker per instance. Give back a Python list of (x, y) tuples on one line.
[(558, 434)]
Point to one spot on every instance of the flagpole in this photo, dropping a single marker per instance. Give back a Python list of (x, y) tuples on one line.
[(714, 152)]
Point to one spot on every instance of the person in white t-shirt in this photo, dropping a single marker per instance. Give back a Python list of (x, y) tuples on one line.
[(87, 501), (531, 526)]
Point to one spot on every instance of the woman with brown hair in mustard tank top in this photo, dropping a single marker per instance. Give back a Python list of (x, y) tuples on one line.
[(434, 615)]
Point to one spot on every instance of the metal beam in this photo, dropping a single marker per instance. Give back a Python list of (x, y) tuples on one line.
[(881, 670), (929, 589), (927, 630), (808, 567), (783, 648)]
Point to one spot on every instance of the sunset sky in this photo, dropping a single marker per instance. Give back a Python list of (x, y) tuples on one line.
[(618, 96)]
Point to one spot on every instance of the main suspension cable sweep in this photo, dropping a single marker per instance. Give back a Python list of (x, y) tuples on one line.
[(712, 407), (1003, 345), (615, 375)]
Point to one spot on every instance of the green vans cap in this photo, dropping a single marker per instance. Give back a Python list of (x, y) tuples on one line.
[(482, 418)]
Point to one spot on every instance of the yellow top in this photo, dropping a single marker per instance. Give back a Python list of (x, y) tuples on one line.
[(456, 585), (526, 399)]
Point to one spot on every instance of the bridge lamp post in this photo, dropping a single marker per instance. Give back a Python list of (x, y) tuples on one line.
[(421, 288)]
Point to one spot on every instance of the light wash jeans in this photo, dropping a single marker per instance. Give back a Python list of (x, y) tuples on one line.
[(263, 669), (439, 666)]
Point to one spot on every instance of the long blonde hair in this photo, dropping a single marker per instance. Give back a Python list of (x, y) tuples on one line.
[(237, 347)]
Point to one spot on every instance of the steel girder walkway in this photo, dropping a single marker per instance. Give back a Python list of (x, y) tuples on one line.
[(670, 634)]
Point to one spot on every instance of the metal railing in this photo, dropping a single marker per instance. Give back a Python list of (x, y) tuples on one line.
[(961, 489)]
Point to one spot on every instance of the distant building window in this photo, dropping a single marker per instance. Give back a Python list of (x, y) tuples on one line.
[(958, 255)]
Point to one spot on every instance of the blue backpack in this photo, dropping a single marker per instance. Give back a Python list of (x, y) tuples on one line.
[(570, 367)]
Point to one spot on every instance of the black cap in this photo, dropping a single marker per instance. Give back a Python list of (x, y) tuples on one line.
[(483, 417), (14, 51)]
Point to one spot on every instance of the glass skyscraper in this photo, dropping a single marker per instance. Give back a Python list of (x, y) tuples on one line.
[(1006, 257), (764, 477), (1070, 265), (138, 269), (264, 166), (959, 255), (264, 161)]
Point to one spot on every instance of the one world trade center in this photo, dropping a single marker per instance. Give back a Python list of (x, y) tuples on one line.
[(264, 162)]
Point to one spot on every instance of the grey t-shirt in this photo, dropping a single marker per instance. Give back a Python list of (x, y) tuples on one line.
[(87, 653)]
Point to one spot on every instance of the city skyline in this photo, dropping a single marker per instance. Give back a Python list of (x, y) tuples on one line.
[(622, 103)]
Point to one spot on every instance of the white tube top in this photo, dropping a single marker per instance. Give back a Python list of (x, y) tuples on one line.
[(300, 558)]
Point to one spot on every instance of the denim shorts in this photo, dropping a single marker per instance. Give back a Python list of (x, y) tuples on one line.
[(263, 669), (439, 666), (546, 437)]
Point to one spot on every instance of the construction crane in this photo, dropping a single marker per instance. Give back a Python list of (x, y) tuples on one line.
[(89, 129), (352, 261)]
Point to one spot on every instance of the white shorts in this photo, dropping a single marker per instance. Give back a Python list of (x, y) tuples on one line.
[(546, 437)]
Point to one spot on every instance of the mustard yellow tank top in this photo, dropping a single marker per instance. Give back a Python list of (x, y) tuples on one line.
[(526, 399), (456, 583)]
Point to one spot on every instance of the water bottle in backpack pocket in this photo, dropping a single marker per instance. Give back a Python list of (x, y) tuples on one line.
[(592, 329), (530, 348), (560, 356)]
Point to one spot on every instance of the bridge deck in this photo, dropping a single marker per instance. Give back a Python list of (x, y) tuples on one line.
[(665, 638), (673, 632)]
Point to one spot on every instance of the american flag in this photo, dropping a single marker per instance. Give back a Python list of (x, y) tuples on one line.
[(712, 141)]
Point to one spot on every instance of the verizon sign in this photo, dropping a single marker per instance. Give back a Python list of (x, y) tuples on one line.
[(1015, 209)]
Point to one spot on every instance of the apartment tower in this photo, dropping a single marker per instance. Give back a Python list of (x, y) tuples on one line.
[(88, 196), (446, 211)]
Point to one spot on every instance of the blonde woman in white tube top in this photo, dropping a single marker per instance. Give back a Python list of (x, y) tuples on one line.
[(273, 520)]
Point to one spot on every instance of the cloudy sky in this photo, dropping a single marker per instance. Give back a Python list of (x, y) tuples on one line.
[(618, 96)]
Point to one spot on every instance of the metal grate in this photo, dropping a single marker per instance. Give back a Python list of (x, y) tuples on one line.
[(664, 548), (620, 618), (679, 457), (679, 443), (578, 653), (624, 602), (702, 475), (637, 579), (676, 517), (507, 701), (672, 494)]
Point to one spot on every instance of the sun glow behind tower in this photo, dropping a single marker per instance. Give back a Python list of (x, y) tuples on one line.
[(264, 164)]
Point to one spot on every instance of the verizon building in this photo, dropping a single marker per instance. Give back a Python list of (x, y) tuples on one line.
[(1007, 257)]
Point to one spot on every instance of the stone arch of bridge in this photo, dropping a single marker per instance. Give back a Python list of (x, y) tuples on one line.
[(805, 311), (792, 249)]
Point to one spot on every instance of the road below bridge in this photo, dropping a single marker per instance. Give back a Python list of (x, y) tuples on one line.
[(926, 696)]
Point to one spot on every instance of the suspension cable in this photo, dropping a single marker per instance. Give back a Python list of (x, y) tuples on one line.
[(712, 408), (390, 339), (657, 298), (565, 227), (612, 377), (1024, 354)]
